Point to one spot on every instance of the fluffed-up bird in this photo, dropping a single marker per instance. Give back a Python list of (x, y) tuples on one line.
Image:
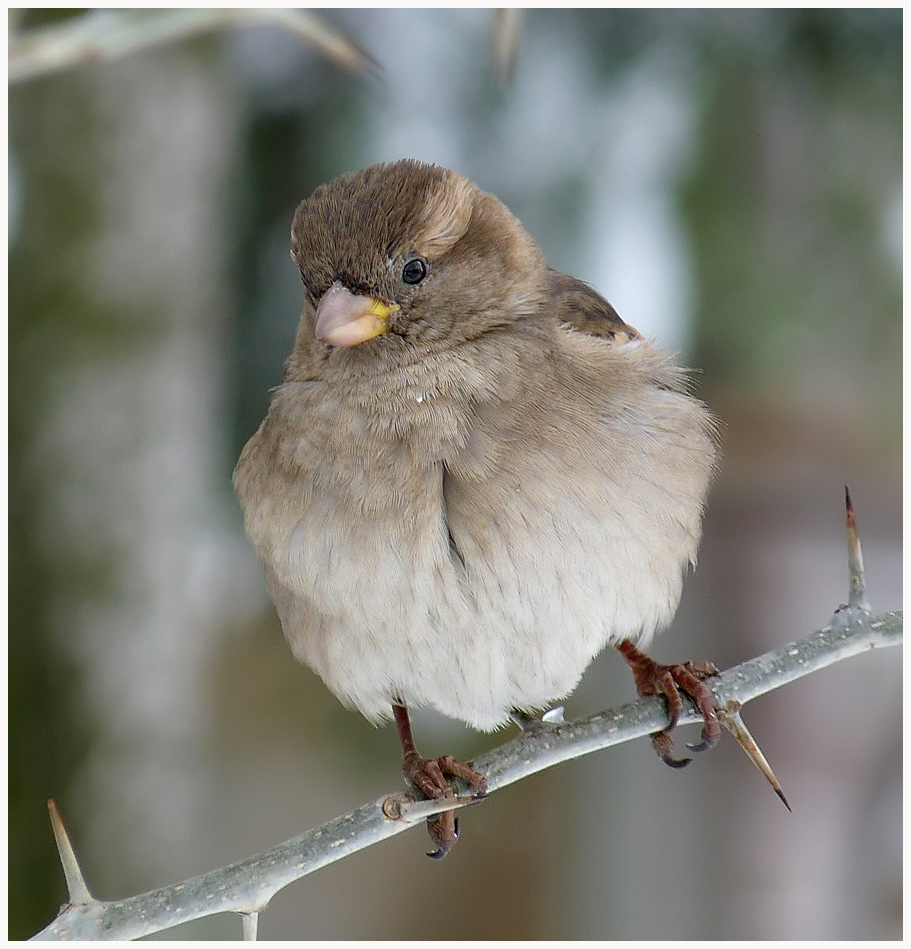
[(474, 475)]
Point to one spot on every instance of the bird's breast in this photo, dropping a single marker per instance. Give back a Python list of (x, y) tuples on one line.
[(477, 561)]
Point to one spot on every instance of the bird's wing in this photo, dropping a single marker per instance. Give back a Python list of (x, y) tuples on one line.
[(576, 303)]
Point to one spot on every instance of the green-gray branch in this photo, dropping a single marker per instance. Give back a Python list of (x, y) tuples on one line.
[(246, 887)]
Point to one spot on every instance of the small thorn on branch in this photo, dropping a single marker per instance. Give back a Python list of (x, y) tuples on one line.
[(857, 589), (250, 922), (75, 882), (416, 811), (505, 41)]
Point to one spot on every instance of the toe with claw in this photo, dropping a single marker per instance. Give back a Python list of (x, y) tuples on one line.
[(431, 777), (654, 678)]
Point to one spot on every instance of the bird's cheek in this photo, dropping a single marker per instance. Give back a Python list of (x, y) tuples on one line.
[(344, 318)]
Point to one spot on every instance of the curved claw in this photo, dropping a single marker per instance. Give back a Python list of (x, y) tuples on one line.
[(709, 737), (700, 746), (444, 837), (664, 744), (676, 762)]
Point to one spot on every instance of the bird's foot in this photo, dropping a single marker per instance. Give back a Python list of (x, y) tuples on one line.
[(429, 775), (654, 678)]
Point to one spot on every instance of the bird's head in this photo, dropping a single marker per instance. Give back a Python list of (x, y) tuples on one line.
[(408, 255)]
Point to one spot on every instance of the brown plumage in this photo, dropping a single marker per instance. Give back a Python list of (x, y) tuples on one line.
[(474, 474)]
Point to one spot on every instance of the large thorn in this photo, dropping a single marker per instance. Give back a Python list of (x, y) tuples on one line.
[(729, 716)]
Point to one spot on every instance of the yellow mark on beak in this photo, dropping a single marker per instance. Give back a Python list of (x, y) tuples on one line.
[(344, 318)]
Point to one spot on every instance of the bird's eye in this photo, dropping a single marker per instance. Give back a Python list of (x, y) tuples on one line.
[(414, 270)]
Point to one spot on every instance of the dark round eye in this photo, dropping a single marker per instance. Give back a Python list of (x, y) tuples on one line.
[(414, 270)]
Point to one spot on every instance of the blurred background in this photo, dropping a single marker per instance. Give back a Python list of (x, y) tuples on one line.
[(731, 180)]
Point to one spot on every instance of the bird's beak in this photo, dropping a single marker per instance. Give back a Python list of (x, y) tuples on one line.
[(344, 318)]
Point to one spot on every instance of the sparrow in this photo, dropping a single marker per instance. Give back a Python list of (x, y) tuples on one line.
[(474, 475)]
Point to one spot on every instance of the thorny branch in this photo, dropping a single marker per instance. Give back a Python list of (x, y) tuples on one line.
[(107, 35), (248, 886)]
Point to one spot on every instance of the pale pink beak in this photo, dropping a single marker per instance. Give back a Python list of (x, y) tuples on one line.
[(344, 318)]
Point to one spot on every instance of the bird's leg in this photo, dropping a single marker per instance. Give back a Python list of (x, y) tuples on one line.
[(429, 776), (653, 678)]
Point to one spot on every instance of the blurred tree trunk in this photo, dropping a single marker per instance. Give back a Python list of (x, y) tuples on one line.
[(117, 466)]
